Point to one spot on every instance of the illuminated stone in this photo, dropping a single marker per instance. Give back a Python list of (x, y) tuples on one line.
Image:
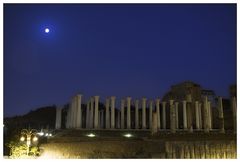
[(154, 127), (197, 114), (189, 113), (91, 112), (172, 117), (58, 118), (206, 116), (164, 114), (209, 115), (136, 114), (79, 111), (184, 114), (113, 112), (200, 116), (122, 114), (128, 112), (96, 100), (176, 114), (158, 113), (150, 113), (144, 113)]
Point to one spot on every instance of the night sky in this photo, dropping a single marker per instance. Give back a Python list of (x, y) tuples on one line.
[(122, 50)]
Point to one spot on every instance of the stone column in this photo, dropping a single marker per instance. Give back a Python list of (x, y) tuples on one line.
[(73, 112), (158, 113), (220, 115), (184, 114), (113, 112), (176, 113), (200, 116), (189, 113), (197, 115), (122, 114), (136, 115), (58, 118), (91, 112), (144, 113), (96, 124), (99, 119), (234, 112), (206, 118), (154, 123), (210, 115), (79, 111), (107, 119), (164, 114), (172, 117), (102, 118), (128, 112), (118, 119), (88, 115), (150, 113)]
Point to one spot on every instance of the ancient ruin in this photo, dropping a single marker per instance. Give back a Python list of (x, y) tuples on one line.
[(193, 112)]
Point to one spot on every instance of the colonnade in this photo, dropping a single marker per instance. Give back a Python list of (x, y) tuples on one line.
[(195, 115)]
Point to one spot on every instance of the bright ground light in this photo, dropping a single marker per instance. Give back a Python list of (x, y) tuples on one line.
[(128, 135), (46, 30)]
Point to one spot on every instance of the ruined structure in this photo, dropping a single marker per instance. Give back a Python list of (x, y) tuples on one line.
[(186, 107)]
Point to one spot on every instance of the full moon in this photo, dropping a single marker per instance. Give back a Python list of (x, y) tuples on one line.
[(46, 30)]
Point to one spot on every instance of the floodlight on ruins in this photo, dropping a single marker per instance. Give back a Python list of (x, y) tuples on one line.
[(128, 135), (91, 135)]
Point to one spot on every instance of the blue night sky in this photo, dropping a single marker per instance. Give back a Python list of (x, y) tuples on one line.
[(122, 50)]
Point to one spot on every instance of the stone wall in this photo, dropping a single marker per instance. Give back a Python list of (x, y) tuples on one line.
[(112, 144), (201, 150)]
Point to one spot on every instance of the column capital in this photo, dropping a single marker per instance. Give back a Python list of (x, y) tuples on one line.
[(79, 95), (129, 98), (176, 103), (164, 103), (157, 100), (144, 99), (150, 101), (113, 97), (91, 99), (184, 101), (96, 97), (136, 101)]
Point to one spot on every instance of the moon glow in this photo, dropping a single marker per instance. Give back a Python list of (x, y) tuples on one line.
[(46, 30)]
